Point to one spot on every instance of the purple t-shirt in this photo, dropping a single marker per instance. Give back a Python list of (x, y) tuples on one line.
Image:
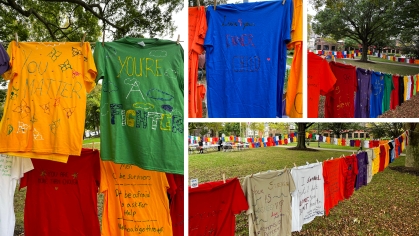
[(363, 93), (362, 170), (4, 60)]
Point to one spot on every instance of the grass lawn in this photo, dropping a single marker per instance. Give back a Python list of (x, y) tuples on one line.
[(326, 145), (372, 58), (387, 206), (91, 140), (397, 68)]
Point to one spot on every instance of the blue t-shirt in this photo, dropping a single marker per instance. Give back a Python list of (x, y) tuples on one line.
[(376, 99), (246, 58)]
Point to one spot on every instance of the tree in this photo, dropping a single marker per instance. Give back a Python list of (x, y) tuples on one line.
[(365, 21), (67, 20), (92, 121), (385, 130), (412, 150), (301, 138), (338, 128), (309, 28), (194, 3), (232, 128)]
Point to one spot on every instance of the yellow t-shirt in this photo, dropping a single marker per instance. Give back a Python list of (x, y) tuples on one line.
[(376, 160), (387, 147), (45, 108), (406, 81), (135, 202), (339, 142), (404, 141), (328, 139)]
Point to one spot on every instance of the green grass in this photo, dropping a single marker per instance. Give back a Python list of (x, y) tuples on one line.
[(91, 140), (372, 58), (289, 61), (326, 145), (387, 206), (397, 68)]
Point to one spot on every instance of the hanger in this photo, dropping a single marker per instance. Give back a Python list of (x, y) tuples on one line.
[(82, 41), (17, 40), (215, 4)]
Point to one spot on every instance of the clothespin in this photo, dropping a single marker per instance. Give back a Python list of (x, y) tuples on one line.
[(93, 146), (283, 2), (295, 165), (215, 4), (307, 163), (17, 40), (82, 41), (251, 176), (199, 3), (331, 158), (317, 161), (224, 178), (178, 39), (285, 168), (103, 37)]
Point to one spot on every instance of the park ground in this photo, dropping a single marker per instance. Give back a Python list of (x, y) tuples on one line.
[(387, 206)]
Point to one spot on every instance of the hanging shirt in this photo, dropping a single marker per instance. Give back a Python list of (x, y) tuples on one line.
[(142, 100), (388, 88), (212, 207), (397, 147), (394, 100), (197, 27), (376, 160), (370, 164), (61, 198), (401, 90), (176, 193), (350, 171), (45, 107), (357, 143), (200, 97), (362, 162), (12, 169), (366, 143), (392, 155), (411, 82), (242, 49), (415, 86), (135, 201), (362, 99), (376, 99), (382, 158), (320, 81), (272, 216), (407, 85), (340, 101), (333, 183), (4, 60), (308, 199)]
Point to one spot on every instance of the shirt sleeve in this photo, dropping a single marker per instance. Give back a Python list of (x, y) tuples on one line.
[(103, 187), (98, 56), (292, 184), (327, 84), (4, 60), (172, 184), (209, 37), (246, 188), (89, 68), (13, 62), (239, 200), (96, 168), (286, 32), (20, 166)]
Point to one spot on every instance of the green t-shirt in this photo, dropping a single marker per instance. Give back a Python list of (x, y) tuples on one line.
[(142, 103), (388, 87), (415, 78)]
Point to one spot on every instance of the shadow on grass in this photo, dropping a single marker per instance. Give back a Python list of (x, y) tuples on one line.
[(303, 149), (404, 169)]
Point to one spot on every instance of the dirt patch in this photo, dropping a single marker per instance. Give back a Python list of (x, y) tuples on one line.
[(403, 169)]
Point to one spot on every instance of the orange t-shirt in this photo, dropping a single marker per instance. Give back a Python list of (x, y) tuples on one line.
[(135, 202), (197, 30), (320, 79), (45, 108), (200, 96)]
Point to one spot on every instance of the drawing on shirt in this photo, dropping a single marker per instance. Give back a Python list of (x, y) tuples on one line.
[(57, 101), (158, 53), (243, 40), (155, 116), (110, 50), (37, 135), (75, 73), (22, 127), (43, 173), (33, 67), (85, 59), (33, 119), (245, 63), (45, 107), (166, 122), (167, 107), (104, 107), (76, 52), (54, 126), (109, 87), (172, 74), (177, 124), (13, 94), (9, 129), (23, 109), (135, 87), (69, 111), (159, 95), (143, 105), (75, 175), (54, 54), (65, 66)]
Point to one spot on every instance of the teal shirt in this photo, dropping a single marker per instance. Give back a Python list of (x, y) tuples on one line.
[(141, 119)]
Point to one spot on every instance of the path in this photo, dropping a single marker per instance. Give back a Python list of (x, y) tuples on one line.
[(329, 149)]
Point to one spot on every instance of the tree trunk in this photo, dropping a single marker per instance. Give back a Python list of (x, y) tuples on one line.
[(301, 140), (412, 150), (364, 51)]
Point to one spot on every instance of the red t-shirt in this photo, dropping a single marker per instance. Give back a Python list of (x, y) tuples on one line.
[(343, 142), (349, 173), (382, 158), (200, 95), (394, 99), (340, 101), (212, 207), (176, 194), (370, 144), (61, 198), (396, 146), (357, 143), (333, 183), (320, 81)]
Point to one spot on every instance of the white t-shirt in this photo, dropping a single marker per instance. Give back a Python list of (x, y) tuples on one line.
[(317, 137), (366, 144), (308, 199), (409, 86), (11, 170), (335, 141), (369, 167)]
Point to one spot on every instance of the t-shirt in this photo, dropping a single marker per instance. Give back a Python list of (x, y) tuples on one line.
[(415, 86), (394, 100), (357, 143), (333, 183), (382, 158), (61, 198), (397, 147), (387, 157), (388, 88), (12, 169), (350, 171), (272, 215), (45, 108), (200, 96), (411, 84), (376, 160), (4, 60), (392, 151), (176, 193), (340, 101), (407, 85), (212, 207), (197, 27), (242, 49), (376, 99), (363, 93), (142, 101), (135, 201), (320, 81), (308, 199), (362, 163), (294, 97), (370, 164), (401, 90)]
